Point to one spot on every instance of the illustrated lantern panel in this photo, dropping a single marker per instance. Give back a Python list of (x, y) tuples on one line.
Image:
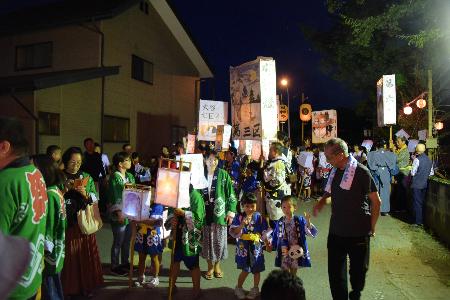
[(305, 159), (386, 101), (253, 99), (136, 202), (172, 188)]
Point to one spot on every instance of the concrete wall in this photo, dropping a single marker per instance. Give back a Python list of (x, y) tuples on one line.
[(74, 47), (172, 93), (437, 211)]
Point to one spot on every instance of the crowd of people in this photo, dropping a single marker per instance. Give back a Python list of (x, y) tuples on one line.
[(253, 201)]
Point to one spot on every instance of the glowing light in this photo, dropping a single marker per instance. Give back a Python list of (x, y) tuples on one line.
[(439, 125), (407, 110), (421, 103), (284, 82)]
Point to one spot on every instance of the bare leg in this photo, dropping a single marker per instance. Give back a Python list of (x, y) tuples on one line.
[(195, 274), (241, 279), (174, 274), (256, 279), (217, 267), (155, 260), (141, 268), (210, 268)]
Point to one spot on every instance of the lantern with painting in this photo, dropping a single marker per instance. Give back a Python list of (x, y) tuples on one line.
[(136, 202), (305, 112), (223, 135), (172, 185)]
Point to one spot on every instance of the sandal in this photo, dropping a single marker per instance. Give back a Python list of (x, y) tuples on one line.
[(218, 274), (209, 276)]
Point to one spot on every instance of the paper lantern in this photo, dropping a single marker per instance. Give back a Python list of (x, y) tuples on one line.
[(172, 186), (439, 125), (421, 103), (305, 159), (305, 112), (283, 113), (407, 110), (136, 202), (223, 136)]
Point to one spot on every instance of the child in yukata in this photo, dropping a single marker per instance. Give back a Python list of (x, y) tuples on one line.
[(305, 175), (289, 237), (187, 224), (149, 242), (250, 230)]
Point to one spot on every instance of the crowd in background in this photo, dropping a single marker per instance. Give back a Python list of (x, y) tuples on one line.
[(259, 193)]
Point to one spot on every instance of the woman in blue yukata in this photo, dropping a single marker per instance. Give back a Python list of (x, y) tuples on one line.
[(289, 237), (250, 230)]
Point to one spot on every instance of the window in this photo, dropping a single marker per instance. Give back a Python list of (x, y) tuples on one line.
[(143, 6), (116, 129), (178, 133), (141, 69), (48, 123), (34, 56)]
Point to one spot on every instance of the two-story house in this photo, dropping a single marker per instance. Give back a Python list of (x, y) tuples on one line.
[(119, 71)]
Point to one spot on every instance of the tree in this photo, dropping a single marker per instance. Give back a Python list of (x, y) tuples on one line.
[(370, 38)]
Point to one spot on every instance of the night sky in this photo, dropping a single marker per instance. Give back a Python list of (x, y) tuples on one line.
[(230, 33)]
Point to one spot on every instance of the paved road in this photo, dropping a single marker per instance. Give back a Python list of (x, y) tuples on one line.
[(405, 263)]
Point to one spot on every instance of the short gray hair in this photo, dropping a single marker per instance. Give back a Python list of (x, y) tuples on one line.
[(338, 145)]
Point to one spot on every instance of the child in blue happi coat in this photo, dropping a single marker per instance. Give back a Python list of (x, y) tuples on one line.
[(149, 242), (289, 237), (250, 230)]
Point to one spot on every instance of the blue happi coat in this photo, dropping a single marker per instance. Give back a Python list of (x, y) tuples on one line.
[(279, 239), (249, 254)]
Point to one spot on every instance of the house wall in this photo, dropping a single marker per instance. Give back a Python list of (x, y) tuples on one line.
[(74, 47), (170, 98)]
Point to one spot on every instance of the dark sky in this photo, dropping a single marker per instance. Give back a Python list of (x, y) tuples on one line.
[(230, 33)]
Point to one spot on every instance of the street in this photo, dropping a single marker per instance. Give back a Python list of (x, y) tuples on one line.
[(405, 263)]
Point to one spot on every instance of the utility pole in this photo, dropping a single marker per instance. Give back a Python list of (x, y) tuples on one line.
[(431, 148), (289, 113)]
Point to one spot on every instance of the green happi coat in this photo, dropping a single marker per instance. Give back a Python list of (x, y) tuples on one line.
[(115, 189), (55, 235), (23, 213), (190, 227), (225, 200)]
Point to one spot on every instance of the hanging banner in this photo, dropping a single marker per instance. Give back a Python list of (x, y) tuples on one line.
[(190, 147), (386, 101), (324, 126), (253, 98), (211, 114)]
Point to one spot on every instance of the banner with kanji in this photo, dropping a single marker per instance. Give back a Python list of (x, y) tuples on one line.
[(211, 114), (253, 99)]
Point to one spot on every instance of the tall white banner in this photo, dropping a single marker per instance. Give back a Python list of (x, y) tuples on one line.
[(386, 101), (253, 99), (211, 114)]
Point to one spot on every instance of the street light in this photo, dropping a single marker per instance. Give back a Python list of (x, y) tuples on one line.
[(439, 125), (284, 82)]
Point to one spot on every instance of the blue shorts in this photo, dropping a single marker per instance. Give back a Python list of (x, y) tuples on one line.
[(191, 262)]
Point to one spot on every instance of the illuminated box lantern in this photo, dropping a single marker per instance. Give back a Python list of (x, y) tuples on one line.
[(172, 186), (136, 201), (257, 146), (223, 136), (305, 159), (386, 101), (190, 147), (245, 147), (253, 99)]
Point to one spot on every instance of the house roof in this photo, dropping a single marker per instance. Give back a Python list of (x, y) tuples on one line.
[(37, 81), (68, 12)]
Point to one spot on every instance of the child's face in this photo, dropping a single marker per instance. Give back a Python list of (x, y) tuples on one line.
[(249, 208), (288, 208)]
